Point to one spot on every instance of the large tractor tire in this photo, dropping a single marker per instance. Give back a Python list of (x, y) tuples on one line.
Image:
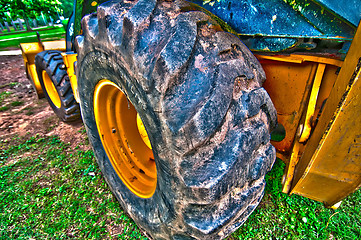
[(157, 70), (54, 81)]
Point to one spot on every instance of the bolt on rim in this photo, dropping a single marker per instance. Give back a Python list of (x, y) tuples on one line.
[(124, 139)]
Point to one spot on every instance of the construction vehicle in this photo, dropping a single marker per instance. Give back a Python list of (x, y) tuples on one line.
[(175, 111)]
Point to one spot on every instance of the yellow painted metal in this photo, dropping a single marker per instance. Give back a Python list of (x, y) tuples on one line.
[(29, 51), (329, 78), (31, 70), (300, 58), (51, 90), (69, 59), (116, 120), (288, 85), (330, 166), (290, 78), (143, 133), (298, 86), (291, 164), (311, 107)]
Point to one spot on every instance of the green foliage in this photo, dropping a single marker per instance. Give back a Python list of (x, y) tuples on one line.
[(67, 7), (28, 9), (4, 9)]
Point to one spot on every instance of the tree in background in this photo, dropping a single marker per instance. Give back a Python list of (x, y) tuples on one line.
[(4, 13), (67, 7), (27, 9), (4, 8)]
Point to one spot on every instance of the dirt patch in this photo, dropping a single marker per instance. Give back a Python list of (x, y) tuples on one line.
[(23, 114)]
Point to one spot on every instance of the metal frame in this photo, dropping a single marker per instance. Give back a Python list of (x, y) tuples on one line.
[(330, 166)]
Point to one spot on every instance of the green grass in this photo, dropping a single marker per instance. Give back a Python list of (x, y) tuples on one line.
[(50, 191), (15, 38), (13, 84), (28, 111), (3, 95), (280, 216), (16, 103), (4, 108)]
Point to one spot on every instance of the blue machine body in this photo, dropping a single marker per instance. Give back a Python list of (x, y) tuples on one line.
[(275, 25), (290, 25)]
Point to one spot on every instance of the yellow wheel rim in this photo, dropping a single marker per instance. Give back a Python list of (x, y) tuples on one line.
[(143, 133), (51, 90), (124, 139)]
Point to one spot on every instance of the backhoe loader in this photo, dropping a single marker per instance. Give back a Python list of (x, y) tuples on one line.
[(187, 104)]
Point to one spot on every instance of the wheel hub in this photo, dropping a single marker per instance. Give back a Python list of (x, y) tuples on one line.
[(125, 139)]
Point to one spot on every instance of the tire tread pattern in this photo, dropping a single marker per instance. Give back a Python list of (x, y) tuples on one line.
[(52, 62), (199, 90)]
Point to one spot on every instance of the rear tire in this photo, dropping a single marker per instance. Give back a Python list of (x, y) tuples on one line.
[(54, 81), (198, 91)]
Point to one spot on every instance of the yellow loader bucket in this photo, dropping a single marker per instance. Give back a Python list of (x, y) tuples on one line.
[(29, 51)]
